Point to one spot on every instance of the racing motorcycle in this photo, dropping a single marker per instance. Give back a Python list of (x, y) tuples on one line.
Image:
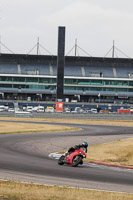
[(74, 158)]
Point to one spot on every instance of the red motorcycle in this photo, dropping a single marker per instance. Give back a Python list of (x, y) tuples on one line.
[(75, 158)]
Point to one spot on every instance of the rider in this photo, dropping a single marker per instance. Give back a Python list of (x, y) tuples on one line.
[(84, 145)]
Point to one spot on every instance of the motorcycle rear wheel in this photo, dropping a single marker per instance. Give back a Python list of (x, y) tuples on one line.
[(76, 161), (61, 160)]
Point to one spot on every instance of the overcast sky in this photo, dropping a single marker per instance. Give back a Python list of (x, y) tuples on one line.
[(95, 24)]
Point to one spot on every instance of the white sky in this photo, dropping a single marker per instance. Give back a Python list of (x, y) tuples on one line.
[(95, 24)]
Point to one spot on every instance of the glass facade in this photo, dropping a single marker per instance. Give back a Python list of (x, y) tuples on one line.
[(98, 82), (80, 85)]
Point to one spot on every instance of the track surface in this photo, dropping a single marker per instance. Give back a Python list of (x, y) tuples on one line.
[(24, 157)]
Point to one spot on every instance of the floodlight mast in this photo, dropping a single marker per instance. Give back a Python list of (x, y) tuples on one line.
[(38, 46), (113, 50)]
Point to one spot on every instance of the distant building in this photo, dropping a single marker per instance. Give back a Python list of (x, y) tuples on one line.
[(86, 79)]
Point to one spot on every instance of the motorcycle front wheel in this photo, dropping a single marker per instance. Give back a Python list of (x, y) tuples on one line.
[(61, 160), (76, 161)]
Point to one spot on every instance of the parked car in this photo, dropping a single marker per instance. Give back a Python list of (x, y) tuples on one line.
[(131, 109), (35, 109), (67, 110), (2, 108), (49, 109), (29, 108), (11, 110), (78, 110), (93, 110), (40, 109)]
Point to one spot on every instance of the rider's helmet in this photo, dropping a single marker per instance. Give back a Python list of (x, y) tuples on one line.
[(85, 144)]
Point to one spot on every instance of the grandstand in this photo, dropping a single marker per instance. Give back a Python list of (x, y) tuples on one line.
[(86, 79)]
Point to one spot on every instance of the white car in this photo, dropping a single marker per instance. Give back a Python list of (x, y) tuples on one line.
[(29, 108), (40, 109), (77, 110), (67, 110), (93, 110), (11, 110), (131, 109), (2, 108)]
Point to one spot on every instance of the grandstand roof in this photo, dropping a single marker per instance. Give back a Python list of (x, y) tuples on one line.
[(47, 59)]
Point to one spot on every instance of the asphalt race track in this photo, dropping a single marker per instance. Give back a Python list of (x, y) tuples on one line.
[(24, 157)]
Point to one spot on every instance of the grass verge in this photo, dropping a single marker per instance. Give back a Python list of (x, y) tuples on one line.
[(119, 152), (22, 191), (13, 127), (76, 121)]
